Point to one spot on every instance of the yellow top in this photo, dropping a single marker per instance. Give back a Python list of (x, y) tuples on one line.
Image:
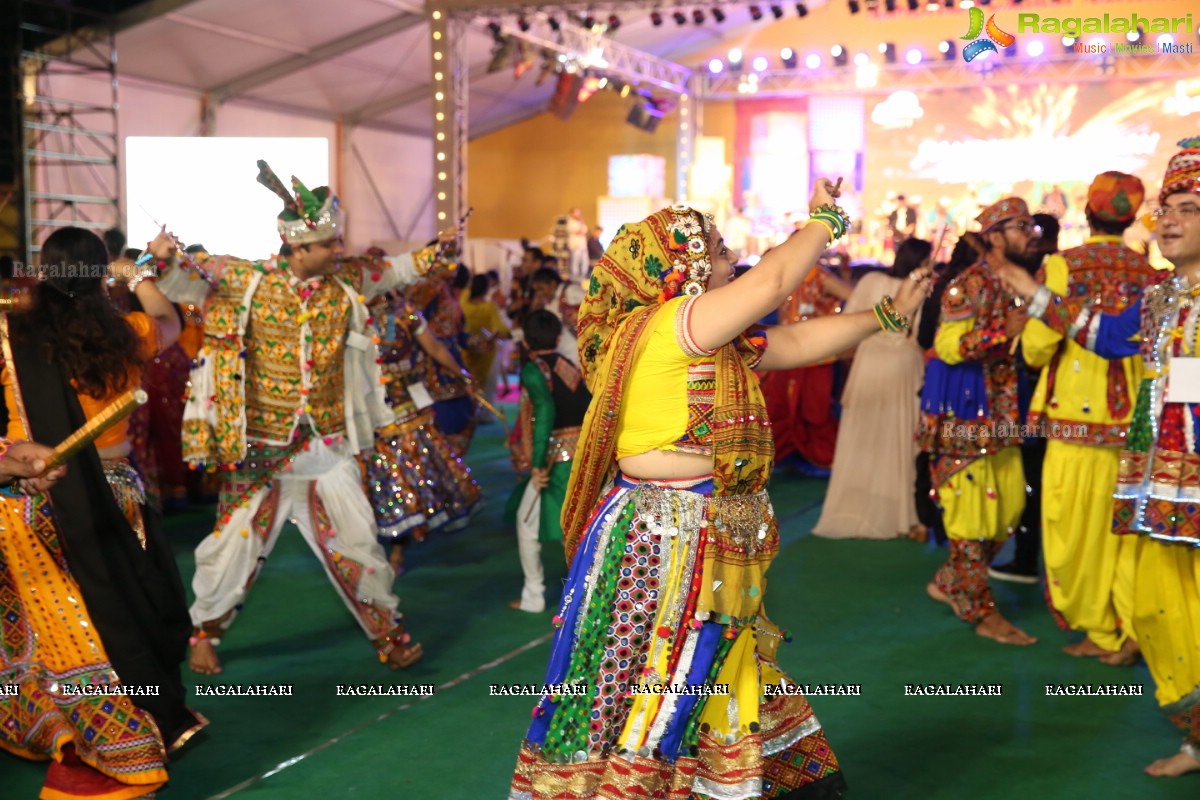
[(670, 389), (1077, 408)]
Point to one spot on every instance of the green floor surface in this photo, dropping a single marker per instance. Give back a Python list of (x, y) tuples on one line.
[(857, 612)]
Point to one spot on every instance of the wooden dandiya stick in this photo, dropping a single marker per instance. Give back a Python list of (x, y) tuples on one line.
[(116, 411)]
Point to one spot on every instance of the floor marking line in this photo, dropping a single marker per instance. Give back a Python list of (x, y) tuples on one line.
[(280, 767)]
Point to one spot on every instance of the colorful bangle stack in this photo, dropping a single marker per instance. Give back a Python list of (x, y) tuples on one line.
[(833, 218), (889, 319)]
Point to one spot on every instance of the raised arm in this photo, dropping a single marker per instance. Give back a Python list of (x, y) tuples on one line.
[(1107, 335), (727, 308), (403, 270), (817, 339)]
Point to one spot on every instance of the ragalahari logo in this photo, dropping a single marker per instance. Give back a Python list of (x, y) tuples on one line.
[(995, 36)]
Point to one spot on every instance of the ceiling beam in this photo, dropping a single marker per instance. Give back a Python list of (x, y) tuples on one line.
[(345, 44), (148, 12), (417, 93)]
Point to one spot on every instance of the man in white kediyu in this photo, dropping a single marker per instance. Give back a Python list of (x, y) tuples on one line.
[(286, 390), (577, 244)]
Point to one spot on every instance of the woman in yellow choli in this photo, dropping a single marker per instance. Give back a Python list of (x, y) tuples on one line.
[(661, 637)]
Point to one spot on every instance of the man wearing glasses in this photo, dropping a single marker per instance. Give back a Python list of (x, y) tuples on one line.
[(1085, 404), (1158, 478), (970, 422)]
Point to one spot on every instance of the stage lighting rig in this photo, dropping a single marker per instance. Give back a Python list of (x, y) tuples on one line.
[(1068, 44), (854, 7), (788, 56), (523, 23), (889, 5), (801, 10), (589, 21), (1136, 37), (656, 19), (777, 11), (888, 51), (614, 22), (679, 17), (555, 25), (838, 54), (913, 4), (718, 15), (948, 49), (698, 16), (735, 60), (494, 27), (755, 13)]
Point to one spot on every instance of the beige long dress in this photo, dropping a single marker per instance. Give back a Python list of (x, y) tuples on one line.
[(870, 494)]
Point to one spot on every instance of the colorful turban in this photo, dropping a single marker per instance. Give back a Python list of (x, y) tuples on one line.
[(1183, 170), (1115, 196), (308, 216), (1002, 211)]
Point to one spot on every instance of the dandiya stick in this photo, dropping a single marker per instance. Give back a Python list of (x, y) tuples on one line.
[(116, 411)]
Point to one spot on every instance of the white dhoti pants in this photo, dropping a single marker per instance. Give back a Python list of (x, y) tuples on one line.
[(322, 494), (529, 516)]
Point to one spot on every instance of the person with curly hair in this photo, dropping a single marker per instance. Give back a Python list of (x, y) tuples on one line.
[(664, 655), (94, 616)]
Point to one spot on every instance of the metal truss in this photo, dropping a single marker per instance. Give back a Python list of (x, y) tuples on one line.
[(451, 89), (940, 75), (61, 138), (601, 54)]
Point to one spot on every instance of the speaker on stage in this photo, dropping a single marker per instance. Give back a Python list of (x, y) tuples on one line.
[(645, 114), (566, 95)]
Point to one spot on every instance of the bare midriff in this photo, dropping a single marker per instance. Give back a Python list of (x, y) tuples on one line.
[(116, 451), (666, 464)]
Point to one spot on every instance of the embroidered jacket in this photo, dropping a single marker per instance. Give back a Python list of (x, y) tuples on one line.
[(1080, 397), (280, 353), (969, 400)]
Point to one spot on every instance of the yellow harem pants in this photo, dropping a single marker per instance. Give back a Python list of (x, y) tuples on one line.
[(981, 504), (1166, 616), (1089, 571)]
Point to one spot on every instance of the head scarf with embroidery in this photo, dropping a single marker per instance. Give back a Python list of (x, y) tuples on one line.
[(647, 264)]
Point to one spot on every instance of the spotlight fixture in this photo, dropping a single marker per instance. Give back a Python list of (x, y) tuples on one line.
[(698, 17), (760, 64), (1035, 48), (948, 49), (655, 18), (680, 18), (812, 61), (1068, 43), (522, 23), (854, 8), (890, 5), (788, 56), (718, 15), (755, 13), (716, 66), (888, 51), (614, 22), (589, 21), (555, 25), (1136, 37), (735, 60), (777, 11), (861, 59), (913, 56), (913, 4), (801, 10), (838, 54), (1164, 43), (494, 27)]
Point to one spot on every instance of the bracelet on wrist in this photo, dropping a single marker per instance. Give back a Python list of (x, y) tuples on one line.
[(888, 318), (828, 228), (835, 215), (146, 274)]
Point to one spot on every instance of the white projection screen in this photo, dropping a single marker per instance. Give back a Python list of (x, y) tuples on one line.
[(204, 188)]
